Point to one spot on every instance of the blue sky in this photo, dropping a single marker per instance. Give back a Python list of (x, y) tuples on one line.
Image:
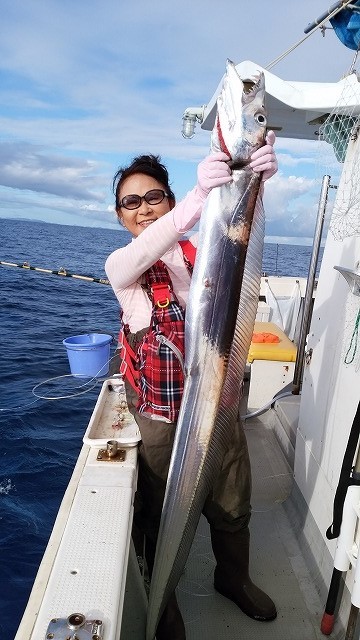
[(87, 84)]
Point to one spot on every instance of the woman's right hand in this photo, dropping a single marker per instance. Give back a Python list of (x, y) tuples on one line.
[(212, 172)]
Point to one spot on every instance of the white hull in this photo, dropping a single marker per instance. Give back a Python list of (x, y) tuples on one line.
[(85, 564)]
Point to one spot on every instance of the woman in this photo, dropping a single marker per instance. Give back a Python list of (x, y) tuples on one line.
[(145, 206)]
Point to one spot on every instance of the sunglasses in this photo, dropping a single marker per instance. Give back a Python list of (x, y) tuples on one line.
[(133, 201)]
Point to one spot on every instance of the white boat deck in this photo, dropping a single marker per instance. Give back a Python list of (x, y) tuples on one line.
[(277, 564)]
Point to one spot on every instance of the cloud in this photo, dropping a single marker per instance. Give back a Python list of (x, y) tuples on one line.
[(25, 204), (291, 205), (85, 86), (25, 167)]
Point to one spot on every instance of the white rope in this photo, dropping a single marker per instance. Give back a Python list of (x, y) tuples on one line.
[(72, 395), (88, 388), (40, 397), (20, 407), (297, 44)]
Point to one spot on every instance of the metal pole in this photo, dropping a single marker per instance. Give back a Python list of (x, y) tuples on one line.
[(306, 313), (337, 7)]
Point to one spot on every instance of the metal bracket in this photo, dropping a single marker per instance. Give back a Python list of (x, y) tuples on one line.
[(352, 278), (75, 627), (112, 453)]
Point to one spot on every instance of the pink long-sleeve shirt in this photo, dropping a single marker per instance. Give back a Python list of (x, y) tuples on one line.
[(125, 266)]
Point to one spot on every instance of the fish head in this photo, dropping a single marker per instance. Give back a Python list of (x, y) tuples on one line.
[(240, 126)]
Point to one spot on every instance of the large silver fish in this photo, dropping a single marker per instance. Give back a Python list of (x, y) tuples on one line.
[(219, 322)]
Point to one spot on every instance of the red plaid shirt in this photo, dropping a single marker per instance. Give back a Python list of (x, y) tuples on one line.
[(158, 361)]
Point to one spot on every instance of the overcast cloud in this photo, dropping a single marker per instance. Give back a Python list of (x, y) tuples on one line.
[(86, 85)]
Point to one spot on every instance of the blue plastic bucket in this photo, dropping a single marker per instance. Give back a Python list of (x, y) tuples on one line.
[(89, 354)]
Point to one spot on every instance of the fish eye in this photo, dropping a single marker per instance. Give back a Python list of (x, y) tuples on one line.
[(260, 118)]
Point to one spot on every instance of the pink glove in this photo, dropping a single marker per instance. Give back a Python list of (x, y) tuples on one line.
[(213, 172), (264, 159)]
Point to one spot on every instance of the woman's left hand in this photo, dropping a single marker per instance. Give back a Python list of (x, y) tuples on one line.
[(264, 159)]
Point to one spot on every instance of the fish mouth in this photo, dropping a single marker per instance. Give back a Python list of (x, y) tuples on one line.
[(240, 126), (237, 164)]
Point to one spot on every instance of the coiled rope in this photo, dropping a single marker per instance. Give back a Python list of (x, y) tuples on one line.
[(86, 384)]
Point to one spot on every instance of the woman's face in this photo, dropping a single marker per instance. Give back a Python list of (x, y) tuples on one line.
[(136, 220)]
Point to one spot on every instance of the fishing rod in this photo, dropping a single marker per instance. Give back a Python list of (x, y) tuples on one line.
[(343, 527), (60, 272)]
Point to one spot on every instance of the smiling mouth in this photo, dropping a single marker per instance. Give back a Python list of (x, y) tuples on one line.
[(145, 223)]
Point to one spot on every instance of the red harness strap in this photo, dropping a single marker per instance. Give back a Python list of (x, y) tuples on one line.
[(128, 361), (161, 294), (160, 291), (189, 250)]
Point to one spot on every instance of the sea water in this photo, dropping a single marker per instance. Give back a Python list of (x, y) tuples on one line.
[(41, 436)]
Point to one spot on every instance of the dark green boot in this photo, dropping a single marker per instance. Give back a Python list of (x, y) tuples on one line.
[(231, 577), (171, 625)]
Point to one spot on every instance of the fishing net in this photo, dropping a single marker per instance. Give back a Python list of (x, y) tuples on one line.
[(341, 129)]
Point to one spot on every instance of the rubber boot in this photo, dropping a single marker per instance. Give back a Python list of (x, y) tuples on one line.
[(231, 577), (171, 625)]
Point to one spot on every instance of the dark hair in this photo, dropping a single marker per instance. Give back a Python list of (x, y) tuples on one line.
[(151, 166)]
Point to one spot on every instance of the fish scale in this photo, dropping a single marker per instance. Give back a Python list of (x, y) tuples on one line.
[(219, 320)]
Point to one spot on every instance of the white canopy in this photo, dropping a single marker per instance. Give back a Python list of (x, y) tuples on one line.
[(296, 109)]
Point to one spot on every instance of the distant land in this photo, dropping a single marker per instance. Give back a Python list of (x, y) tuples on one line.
[(66, 224)]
